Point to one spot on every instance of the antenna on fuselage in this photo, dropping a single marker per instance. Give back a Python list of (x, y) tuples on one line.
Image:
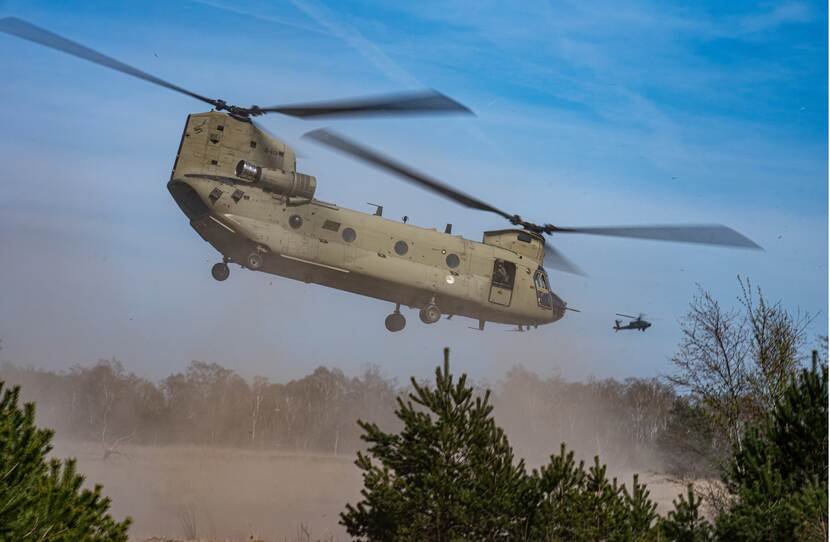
[(378, 208)]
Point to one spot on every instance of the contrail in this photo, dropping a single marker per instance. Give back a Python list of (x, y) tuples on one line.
[(368, 50), (327, 19), (261, 17)]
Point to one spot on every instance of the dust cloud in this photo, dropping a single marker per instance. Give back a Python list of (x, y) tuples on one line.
[(209, 493), (221, 493), (206, 454)]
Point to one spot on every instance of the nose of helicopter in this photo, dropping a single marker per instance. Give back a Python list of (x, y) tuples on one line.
[(558, 307), (188, 199)]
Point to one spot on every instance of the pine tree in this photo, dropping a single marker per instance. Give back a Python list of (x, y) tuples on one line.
[(779, 479), (583, 505), (448, 475), (43, 499), (685, 523)]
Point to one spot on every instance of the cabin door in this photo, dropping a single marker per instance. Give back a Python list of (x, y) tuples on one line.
[(501, 286)]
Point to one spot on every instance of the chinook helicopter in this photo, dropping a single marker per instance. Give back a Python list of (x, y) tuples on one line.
[(240, 189)]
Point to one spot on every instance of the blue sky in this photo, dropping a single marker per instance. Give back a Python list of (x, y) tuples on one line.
[(587, 113)]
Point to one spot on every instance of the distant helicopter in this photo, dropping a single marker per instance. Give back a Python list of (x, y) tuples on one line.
[(637, 322)]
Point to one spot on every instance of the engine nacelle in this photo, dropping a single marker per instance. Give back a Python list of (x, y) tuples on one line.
[(291, 184)]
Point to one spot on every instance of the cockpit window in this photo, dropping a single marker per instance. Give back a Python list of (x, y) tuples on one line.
[(541, 280), (543, 297)]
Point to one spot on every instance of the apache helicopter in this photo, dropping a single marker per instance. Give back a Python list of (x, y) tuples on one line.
[(241, 191), (637, 322)]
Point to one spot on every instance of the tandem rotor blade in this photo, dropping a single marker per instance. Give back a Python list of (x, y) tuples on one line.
[(412, 103), (27, 31), (340, 143), (556, 260), (703, 234)]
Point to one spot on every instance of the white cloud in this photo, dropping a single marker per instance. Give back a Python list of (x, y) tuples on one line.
[(782, 14)]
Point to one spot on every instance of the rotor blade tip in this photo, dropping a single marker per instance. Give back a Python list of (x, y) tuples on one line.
[(316, 134), (438, 94), (744, 241)]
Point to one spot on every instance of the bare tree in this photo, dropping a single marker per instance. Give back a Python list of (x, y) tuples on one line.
[(712, 364), (258, 388), (777, 340), (100, 388), (112, 448), (733, 364), (649, 403)]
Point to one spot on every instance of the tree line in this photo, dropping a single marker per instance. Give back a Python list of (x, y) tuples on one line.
[(208, 404), (729, 369)]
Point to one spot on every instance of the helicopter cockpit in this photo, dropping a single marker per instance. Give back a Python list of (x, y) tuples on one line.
[(543, 293)]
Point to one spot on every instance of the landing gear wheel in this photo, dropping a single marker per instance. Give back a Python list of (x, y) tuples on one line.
[(220, 271), (395, 322), (430, 314), (255, 261)]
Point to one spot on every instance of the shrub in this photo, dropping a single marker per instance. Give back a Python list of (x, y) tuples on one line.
[(450, 474), (40, 498), (779, 478)]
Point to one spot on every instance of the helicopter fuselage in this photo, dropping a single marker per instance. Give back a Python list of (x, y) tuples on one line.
[(638, 324), (499, 280)]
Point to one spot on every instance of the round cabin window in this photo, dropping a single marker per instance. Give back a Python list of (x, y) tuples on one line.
[(295, 221), (453, 261), (401, 248), (349, 235)]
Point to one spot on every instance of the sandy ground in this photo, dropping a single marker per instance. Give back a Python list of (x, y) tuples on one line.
[(222, 493), (232, 494)]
